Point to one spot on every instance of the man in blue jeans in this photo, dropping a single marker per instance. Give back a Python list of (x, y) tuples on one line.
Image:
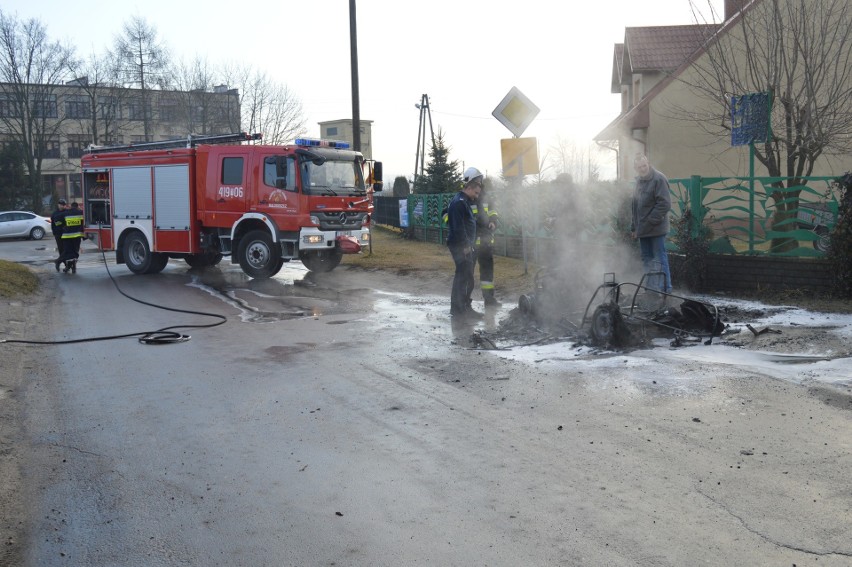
[(651, 205), (461, 241)]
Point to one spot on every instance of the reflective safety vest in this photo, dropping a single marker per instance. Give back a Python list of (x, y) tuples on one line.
[(72, 224), (484, 216)]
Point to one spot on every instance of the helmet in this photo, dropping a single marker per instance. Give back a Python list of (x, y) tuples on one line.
[(471, 173)]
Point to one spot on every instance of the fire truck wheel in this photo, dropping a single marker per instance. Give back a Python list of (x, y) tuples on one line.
[(137, 254), (258, 255), (159, 260), (322, 261)]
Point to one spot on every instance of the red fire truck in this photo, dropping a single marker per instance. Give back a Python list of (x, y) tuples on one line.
[(204, 197)]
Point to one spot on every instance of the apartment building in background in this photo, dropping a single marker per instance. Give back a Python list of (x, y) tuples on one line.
[(341, 130), (78, 114)]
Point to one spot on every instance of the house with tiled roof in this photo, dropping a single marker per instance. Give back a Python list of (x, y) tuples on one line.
[(653, 70)]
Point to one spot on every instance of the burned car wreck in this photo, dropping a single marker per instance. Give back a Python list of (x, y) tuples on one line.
[(620, 316)]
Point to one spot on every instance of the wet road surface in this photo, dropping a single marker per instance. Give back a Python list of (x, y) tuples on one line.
[(337, 420)]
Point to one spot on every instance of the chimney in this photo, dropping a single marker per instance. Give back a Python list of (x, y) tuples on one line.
[(732, 7)]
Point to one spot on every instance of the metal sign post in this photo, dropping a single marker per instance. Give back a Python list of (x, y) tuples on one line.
[(520, 155), (749, 124)]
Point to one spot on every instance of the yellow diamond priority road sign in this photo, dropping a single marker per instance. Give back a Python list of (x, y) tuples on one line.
[(515, 112)]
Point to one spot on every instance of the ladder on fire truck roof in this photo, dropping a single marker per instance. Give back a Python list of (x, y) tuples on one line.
[(189, 142)]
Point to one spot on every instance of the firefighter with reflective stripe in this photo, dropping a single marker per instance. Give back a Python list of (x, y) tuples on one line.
[(72, 235), (486, 223), (56, 229)]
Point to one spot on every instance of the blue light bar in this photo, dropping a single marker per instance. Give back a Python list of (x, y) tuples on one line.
[(314, 143)]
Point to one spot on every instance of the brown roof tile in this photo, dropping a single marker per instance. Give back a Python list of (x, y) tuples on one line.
[(664, 48)]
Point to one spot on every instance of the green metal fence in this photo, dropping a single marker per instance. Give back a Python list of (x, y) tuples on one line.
[(743, 215)]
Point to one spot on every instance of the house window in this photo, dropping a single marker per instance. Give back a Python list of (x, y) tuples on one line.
[(232, 171), (332, 131), (168, 110), (77, 106), (137, 139), (135, 110), (108, 107), (45, 106), (49, 149), (77, 144), (8, 108)]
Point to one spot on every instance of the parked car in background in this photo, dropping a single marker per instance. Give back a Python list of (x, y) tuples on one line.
[(23, 224)]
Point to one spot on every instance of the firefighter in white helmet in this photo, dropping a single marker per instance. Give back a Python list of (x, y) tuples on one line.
[(461, 240)]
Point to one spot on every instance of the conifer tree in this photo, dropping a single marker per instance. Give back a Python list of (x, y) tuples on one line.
[(442, 175)]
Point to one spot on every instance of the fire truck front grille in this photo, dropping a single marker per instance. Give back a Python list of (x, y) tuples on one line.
[(342, 220)]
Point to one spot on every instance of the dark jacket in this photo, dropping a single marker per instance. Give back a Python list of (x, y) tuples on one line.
[(651, 205), (56, 222), (461, 221)]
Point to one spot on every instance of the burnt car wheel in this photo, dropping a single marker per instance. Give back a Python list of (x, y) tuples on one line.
[(608, 326), (823, 241)]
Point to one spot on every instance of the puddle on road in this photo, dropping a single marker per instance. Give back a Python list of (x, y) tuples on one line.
[(422, 324), (291, 294)]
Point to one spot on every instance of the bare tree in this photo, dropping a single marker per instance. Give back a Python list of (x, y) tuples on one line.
[(565, 156), (801, 53), (142, 61), (95, 106), (32, 68), (266, 106), (202, 112)]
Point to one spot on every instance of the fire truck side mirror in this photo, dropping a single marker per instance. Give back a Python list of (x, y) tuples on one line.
[(377, 173)]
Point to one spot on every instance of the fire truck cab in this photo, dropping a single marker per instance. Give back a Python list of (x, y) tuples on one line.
[(204, 198)]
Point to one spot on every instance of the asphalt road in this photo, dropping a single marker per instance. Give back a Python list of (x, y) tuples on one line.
[(339, 420)]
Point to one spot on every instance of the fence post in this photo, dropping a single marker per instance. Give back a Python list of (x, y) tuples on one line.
[(696, 205)]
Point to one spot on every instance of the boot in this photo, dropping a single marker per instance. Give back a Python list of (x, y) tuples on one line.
[(73, 266), (56, 263), (488, 297)]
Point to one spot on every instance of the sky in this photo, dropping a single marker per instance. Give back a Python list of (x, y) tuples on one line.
[(464, 54)]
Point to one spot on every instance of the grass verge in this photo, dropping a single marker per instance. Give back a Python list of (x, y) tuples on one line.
[(16, 279), (391, 251)]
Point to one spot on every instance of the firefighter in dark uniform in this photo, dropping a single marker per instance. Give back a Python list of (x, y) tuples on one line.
[(461, 240), (486, 224), (56, 229), (72, 235)]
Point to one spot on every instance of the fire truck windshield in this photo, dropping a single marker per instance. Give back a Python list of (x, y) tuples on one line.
[(332, 177)]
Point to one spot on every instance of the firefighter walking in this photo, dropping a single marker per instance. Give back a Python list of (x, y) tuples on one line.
[(56, 229), (486, 223), (72, 235)]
